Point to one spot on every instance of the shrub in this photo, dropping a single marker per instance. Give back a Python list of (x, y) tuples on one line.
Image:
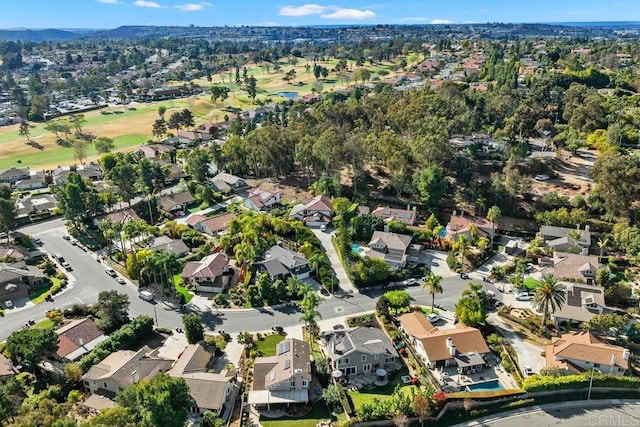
[(536, 383)]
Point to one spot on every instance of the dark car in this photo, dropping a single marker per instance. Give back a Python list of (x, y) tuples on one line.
[(464, 276)]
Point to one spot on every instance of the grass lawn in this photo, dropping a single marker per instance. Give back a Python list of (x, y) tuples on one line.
[(181, 289), (318, 413), (43, 324), (360, 397), (267, 346), (530, 283), (40, 294)]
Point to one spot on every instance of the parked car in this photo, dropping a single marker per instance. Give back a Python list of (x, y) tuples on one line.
[(410, 282), (527, 371), (66, 265), (37, 241), (524, 296), (111, 272), (464, 276), (66, 237), (542, 177), (121, 280), (8, 304), (433, 318), (146, 295), (323, 227)]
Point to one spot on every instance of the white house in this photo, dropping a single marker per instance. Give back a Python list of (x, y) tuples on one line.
[(261, 199)]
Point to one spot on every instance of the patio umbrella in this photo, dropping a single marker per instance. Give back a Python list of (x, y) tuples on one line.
[(336, 374), (381, 372)]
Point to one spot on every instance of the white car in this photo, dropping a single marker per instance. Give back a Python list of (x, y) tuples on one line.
[(542, 177), (524, 296), (410, 282), (527, 371), (8, 304), (323, 227), (121, 280), (146, 295), (433, 318), (111, 272)]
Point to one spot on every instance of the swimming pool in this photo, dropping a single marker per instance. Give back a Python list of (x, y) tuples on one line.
[(442, 232), (493, 385), (357, 249)]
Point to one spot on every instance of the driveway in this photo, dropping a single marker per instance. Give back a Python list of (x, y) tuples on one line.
[(528, 354), (334, 259)]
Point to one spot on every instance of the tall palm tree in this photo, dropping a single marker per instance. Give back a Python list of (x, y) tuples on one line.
[(473, 232), (314, 262), (463, 245), (493, 214), (473, 290), (603, 244), (550, 296), (432, 282)]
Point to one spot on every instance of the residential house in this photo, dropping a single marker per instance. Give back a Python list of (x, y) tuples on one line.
[(562, 239), (77, 338), (167, 244), (314, 213), (17, 280), (463, 225), (11, 253), (462, 347), (159, 94), (571, 267), (261, 199), (280, 263), (36, 179), (407, 216), (577, 352), (176, 202), (6, 367), (284, 378), (392, 248), (91, 171), (33, 204), (210, 392), (155, 152), (210, 274), (122, 369), (227, 183), (122, 216), (583, 302), (13, 175), (195, 137), (211, 226), (360, 350)]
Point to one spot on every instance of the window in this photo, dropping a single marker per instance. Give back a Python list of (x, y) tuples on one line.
[(292, 384), (363, 358), (377, 356), (366, 367), (389, 359), (344, 361), (305, 383)]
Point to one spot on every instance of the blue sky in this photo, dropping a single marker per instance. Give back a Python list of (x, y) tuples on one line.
[(113, 13)]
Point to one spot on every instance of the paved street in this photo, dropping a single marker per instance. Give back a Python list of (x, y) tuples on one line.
[(572, 414), (90, 280)]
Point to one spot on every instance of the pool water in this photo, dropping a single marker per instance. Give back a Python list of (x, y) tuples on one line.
[(442, 232), (357, 249), (486, 386), (288, 95)]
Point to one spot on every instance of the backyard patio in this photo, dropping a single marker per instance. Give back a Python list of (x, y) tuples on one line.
[(368, 392)]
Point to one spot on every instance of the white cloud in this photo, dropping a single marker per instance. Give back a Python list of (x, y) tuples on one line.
[(107, 1), (144, 3), (193, 7), (349, 14), (483, 10), (441, 21), (304, 10)]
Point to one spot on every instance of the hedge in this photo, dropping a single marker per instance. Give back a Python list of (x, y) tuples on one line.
[(480, 395), (536, 383), (127, 336)]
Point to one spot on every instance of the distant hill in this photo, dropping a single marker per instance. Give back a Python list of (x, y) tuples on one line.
[(38, 35)]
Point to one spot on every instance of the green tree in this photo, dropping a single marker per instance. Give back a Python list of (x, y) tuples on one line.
[(159, 128), (28, 346), (398, 299), (186, 117), (11, 396), (197, 164), (175, 121), (80, 149), (78, 199), (550, 296), (431, 185), (603, 323), (161, 111), (124, 176), (112, 309), (104, 144), (432, 283), (117, 416), (193, 327), (77, 120), (162, 401), (7, 215), (25, 130)]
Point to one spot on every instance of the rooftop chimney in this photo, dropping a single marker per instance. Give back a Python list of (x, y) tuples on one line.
[(135, 377), (449, 342), (452, 350)]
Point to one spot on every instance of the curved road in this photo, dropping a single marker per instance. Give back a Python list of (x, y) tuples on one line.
[(91, 279)]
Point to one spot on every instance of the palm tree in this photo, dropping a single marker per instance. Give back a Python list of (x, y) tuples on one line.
[(314, 262), (432, 282), (603, 244), (463, 245), (473, 232), (472, 291), (550, 296), (493, 214), (483, 244)]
